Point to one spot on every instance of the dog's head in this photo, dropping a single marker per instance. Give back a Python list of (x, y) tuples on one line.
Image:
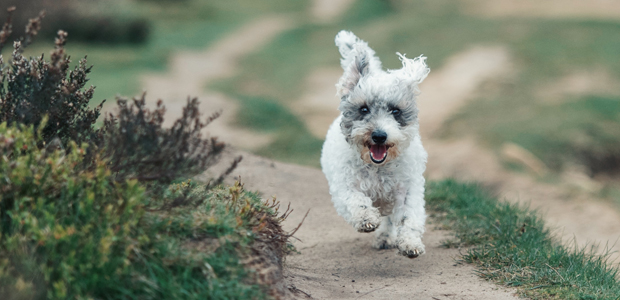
[(380, 116)]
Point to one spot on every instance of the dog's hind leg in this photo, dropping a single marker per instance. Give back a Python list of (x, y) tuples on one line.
[(385, 236)]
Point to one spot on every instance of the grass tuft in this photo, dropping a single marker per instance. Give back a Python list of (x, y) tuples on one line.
[(512, 246)]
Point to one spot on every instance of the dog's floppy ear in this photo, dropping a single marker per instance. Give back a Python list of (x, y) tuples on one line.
[(357, 68), (357, 61), (413, 72)]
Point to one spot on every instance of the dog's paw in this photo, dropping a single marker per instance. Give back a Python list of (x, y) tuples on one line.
[(366, 226), (383, 241), (412, 253), (411, 250), (368, 219)]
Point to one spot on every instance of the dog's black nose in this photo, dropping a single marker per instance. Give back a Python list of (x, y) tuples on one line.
[(379, 136)]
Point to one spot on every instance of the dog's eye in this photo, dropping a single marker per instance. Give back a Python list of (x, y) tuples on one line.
[(364, 110), (395, 112)]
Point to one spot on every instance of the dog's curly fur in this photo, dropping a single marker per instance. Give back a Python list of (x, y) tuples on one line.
[(386, 192)]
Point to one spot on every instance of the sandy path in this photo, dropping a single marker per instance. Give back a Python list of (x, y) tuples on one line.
[(192, 71), (337, 262)]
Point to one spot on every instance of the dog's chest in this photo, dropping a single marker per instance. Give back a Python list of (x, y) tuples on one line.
[(384, 188)]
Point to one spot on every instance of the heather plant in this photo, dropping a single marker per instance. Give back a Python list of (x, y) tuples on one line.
[(140, 147), (33, 88)]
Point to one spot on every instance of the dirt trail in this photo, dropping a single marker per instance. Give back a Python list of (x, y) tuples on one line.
[(337, 262), (191, 72)]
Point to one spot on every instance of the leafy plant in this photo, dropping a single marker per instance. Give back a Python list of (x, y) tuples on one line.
[(88, 212), (60, 225)]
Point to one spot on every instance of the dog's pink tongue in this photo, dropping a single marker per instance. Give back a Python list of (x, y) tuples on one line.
[(378, 152)]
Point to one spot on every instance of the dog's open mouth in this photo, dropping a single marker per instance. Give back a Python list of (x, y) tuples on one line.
[(378, 153)]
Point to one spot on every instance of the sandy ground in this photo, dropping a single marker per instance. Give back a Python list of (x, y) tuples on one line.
[(578, 84), (446, 89)]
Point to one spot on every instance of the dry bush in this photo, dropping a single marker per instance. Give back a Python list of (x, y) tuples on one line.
[(140, 147)]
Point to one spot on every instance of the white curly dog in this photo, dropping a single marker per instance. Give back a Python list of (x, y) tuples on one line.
[(373, 156)]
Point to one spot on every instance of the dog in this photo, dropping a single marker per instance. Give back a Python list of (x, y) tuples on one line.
[(373, 156)]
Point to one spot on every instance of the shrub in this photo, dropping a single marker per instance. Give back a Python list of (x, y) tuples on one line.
[(139, 147), (58, 225), (72, 233), (34, 87), (88, 213)]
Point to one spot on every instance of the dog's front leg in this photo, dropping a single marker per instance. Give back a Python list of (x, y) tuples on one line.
[(357, 210), (410, 218)]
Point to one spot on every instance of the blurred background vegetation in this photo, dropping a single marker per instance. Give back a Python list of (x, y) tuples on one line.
[(560, 102)]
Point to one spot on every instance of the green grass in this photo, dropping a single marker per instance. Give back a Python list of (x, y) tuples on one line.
[(512, 246)]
